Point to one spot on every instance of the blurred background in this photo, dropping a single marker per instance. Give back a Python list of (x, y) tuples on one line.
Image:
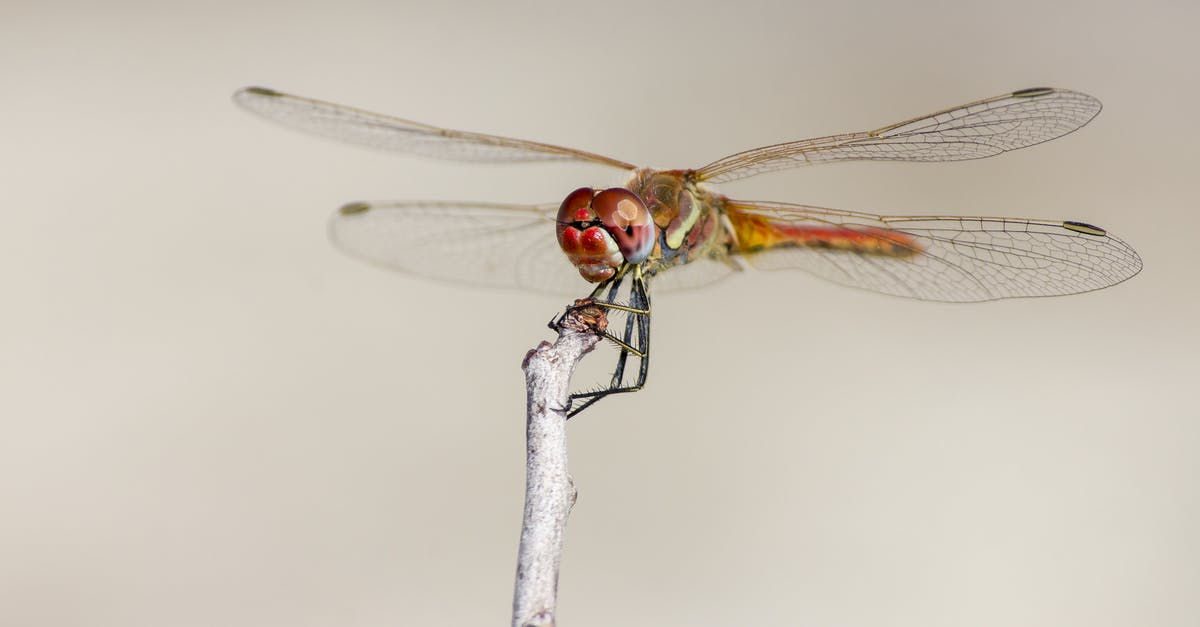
[(211, 417)]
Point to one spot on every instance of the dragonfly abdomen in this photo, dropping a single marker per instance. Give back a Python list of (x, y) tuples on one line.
[(757, 233)]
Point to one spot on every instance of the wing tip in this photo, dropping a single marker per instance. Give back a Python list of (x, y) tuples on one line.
[(1038, 92), (255, 98)]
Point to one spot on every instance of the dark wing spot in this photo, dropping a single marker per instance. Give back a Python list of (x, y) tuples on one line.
[(354, 208), (262, 91), (1032, 92), (1085, 228)]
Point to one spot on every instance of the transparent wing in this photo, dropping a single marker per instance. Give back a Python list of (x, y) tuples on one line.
[(390, 133), (485, 244), (971, 131), (942, 258), (696, 273)]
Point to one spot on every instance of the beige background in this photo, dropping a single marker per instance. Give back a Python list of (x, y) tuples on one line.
[(210, 417)]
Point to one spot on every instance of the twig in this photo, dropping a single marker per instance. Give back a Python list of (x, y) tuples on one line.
[(549, 491)]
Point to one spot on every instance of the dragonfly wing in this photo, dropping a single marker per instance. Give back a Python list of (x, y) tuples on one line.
[(690, 275), (970, 131), (486, 244), (391, 133), (940, 258)]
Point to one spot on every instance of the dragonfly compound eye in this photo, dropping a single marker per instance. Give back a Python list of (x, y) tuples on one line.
[(584, 239), (627, 220)]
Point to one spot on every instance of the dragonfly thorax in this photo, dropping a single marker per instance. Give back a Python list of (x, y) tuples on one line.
[(680, 207), (600, 230)]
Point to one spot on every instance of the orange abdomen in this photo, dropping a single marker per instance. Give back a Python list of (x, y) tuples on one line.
[(757, 233)]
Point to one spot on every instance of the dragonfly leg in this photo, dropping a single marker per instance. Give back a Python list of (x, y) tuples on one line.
[(635, 341), (639, 315), (634, 309)]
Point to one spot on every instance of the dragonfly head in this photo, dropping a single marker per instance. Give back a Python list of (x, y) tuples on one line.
[(599, 230)]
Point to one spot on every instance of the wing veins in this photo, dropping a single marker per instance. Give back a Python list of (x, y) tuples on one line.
[(387, 132), (991, 126)]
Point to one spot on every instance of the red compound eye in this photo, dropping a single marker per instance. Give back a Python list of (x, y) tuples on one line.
[(586, 244), (577, 207), (600, 231), (629, 222), (593, 242)]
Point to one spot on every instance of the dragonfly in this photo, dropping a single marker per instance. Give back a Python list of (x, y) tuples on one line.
[(672, 229)]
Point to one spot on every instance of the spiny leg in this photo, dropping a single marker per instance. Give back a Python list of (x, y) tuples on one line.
[(642, 352), (613, 285), (623, 355), (639, 301), (638, 322)]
